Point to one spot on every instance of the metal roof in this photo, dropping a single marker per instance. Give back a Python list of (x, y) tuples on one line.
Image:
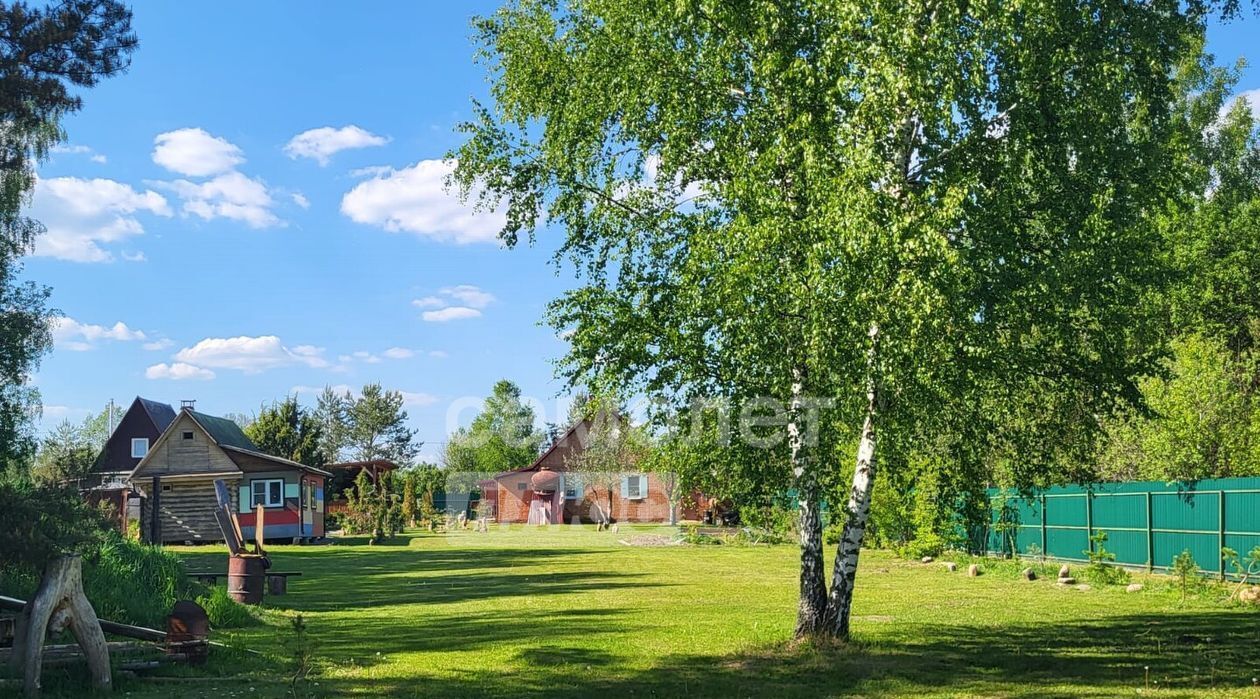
[(161, 414), (223, 431)]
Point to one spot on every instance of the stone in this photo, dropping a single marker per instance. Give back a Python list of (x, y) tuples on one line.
[(973, 570), (1069, 580), (927, 559), (951, 567), (1134, 587), (1065, 571), (1084, 588), (1029, 574), (1250, 595)]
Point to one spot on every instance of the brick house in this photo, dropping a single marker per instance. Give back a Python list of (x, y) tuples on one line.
[(547, 492)]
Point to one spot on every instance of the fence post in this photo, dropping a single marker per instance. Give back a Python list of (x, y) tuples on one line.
[(1044, 552), (1150, 535), (1220, 537), (1089, 519)]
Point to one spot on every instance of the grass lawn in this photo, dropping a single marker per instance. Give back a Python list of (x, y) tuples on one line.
[(569, 612)]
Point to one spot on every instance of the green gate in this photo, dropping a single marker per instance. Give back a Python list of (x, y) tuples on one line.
[(1147, 523)]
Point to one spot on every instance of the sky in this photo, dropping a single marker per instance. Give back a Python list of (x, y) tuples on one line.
[(256, 209)]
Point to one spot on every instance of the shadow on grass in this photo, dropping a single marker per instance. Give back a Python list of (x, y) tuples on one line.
[(1188, 655)]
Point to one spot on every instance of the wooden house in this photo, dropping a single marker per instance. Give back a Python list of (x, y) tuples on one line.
[(547, 492), (139, 428), (177, 476)]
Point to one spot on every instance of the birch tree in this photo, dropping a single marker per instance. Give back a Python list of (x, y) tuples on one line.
[(865, 212)]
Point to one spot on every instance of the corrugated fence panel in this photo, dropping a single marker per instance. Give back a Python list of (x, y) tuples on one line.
[(1242, 512), (1065, 510), (1147, 523), (1186, 512)]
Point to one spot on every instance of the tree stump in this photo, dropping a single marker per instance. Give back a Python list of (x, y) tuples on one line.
[(59, 603)]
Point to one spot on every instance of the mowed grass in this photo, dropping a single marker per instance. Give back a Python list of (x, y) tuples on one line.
[(568, 612)]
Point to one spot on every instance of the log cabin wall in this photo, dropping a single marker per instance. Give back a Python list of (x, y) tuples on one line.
[(186, 508)]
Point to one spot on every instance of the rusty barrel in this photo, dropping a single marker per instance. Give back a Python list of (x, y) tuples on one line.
[(245, 578)]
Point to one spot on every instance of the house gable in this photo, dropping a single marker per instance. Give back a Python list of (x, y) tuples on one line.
[(185, 449), (145, 419)]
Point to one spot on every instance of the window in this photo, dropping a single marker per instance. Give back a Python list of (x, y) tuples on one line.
[(572, 486), (520, 485), (188, 434), (268, 493), (634, 488), (139, 447)]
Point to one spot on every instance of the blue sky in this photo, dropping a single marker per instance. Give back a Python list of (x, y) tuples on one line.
[(255, 209)]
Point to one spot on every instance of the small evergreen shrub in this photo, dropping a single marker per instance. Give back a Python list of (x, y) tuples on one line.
[(1102, 568), (1185, 571)]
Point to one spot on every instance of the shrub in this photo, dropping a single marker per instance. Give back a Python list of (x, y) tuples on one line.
[(42, 521), (1186, 571), (1102, 568), (225, 612)]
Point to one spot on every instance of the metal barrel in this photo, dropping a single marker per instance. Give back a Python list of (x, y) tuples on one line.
[(245, 579)]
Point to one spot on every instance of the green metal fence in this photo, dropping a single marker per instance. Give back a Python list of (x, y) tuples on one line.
[(1147, 523)]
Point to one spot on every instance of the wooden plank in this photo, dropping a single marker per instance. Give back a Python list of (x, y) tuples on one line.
[(259, 514), (137, 632)]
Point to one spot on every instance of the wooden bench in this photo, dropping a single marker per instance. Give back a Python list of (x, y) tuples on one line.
[(277, 582)]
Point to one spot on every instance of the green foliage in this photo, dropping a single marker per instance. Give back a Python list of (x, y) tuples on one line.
[(501, 437), (371, 426), (40, 521), (408, 504), (287, 430), (1205, 420), (752, 193), (225, 612), (1244, 567), (1186, 571), (1102, 568)]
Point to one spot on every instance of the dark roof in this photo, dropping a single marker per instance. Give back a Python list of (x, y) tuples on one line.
[(161, 414), (232, 453), (223, 431)]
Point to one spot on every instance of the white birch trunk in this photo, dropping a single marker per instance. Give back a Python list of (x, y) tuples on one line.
[(857, 513), (812, 607)]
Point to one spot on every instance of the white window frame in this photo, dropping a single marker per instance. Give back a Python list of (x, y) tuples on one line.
[(572, 487), (638, 491), (137, 441), (266, 491)]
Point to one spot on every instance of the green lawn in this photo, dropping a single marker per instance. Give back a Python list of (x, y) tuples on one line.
[(572, 613)]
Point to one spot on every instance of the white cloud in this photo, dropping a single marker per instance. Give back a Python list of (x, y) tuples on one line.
[(137, 256), (195, 153), (340, 388), (250, 354), (469, 295), (438, 354), (232, 196), (450, 313), (83, 216), (399, 353), (178, 371), (60, 412), (322, 143), (72, 149), (367, 357), (72, 335), (301, 200), (454, 303), (415, 200), (371, 171), (164, 343), (418, 399)]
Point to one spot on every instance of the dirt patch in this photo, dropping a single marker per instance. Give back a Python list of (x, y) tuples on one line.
[(647, 540)]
